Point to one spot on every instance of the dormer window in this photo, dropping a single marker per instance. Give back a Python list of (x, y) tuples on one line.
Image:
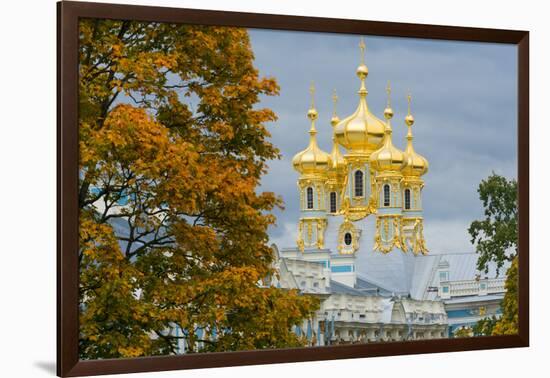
[(358, 183)]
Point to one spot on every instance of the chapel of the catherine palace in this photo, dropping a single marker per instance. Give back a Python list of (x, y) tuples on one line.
[(360, 243)]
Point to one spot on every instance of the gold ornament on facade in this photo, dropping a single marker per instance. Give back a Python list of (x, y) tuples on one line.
[(321, 227), (415, 235), (418, 242), (300, 238), (310, 225), (348, 227), (387, 242), (355, 213), (398, 241)]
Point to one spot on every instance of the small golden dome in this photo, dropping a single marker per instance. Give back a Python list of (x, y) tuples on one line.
[(415, 165), (312, 160), (334, 120), (388, 157)]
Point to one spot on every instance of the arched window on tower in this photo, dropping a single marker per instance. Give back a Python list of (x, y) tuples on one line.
[(309, 197), (332, 202), (407, 199), (347, 238), (386, 195), (358, 183)]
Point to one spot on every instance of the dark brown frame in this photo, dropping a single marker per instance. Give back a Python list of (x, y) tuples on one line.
[(68, 14)]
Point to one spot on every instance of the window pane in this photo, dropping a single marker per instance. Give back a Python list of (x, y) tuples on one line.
[(386, 195), (358, 183), (310, 198), (332, 202), (347, 238)]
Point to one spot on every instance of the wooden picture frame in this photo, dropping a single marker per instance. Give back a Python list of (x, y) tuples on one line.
[(69, 13)]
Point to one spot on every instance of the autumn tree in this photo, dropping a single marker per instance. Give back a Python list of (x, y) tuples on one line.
[(173, 231), (485, 326), (496, 239), (464, 332)]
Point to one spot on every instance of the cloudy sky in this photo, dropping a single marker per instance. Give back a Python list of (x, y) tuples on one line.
[(464, 104)]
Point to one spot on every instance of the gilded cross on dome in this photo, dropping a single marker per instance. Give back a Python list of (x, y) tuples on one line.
[(388, 112), (363, 47), (334, 101), (312, 93), (409, 119)]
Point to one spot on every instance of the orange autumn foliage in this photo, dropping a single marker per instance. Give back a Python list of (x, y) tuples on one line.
[(173, 230)]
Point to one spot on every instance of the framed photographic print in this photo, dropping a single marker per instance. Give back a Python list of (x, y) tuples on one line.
[(240, 189)]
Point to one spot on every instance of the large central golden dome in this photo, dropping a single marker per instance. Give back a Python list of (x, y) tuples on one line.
[(362, 132)]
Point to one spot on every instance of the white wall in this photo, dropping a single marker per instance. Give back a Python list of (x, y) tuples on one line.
[(27, 152)]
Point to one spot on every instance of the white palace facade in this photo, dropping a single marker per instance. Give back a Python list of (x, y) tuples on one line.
[(360, 246)]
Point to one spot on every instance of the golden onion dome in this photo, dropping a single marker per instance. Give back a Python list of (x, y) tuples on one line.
[(312, 160), (361, 132), (387, 157), (415, 165), (337, 160)]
